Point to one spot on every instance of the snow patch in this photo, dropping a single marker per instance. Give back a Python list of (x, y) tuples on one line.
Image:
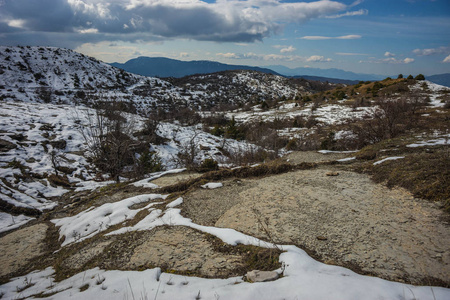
[(9, 222), (97, 219), (388, 158), (175, 203), (330, 151), (346, 159), (212, 185), (434, 142)]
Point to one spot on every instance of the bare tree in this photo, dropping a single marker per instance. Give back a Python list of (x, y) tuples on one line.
[(108, 136), (188, 152)]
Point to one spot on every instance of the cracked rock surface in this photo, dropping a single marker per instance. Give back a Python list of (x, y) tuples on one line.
[(345, 220)]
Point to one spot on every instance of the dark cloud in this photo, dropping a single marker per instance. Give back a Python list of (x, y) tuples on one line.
[(150, 20), (39, 15)]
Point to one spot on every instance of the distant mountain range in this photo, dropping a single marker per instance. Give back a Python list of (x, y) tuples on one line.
[(328, 73), (442, 79), (166, 67)]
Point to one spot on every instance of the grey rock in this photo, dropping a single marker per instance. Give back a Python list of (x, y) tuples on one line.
[(262, 276)]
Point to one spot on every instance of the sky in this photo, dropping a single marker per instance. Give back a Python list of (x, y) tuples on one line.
[(383, 37)]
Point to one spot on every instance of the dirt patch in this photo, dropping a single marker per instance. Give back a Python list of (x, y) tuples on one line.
[(345, 220), (20, 247)]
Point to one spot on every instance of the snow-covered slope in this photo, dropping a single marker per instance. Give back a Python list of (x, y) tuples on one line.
[(38, 140), (242, 87), (59, 69), (48, 74)]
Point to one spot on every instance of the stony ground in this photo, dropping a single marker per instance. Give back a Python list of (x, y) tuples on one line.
[(344, 219), (19, 248)]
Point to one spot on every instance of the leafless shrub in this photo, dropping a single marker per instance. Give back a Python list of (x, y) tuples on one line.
[(263, 225), (215, 119), (188, 153), (249, 154), (388, 119), (311, 122), (108, 136), (185, 116), (45, 94)]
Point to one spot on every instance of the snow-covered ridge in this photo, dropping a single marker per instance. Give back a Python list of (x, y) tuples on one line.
[(60, 69)]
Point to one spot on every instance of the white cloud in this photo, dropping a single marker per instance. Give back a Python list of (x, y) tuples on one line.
[(389, 60), (240, 21), (356, 2), (432, 51), (389, 54), (274, 57), (319, 37), (360, 12), (89, 30), (262, 57), (408, 60), (287, 49), (315, 37), (16, 23), (349, 37), (350, 54), (231, 20), (447, 59), (230, 55), (119, 51), (318, 58), (98, 8)]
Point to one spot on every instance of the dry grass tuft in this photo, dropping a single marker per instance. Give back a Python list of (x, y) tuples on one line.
[(426, 175), (272, 168)]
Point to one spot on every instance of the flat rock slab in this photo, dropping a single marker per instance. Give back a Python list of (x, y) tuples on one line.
[(183, 249), (19, 247), (85, 254), (261, 276), (346, 220)]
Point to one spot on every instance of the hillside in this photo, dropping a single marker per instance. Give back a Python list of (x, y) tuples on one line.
[(55, 75), (166, 67), (119, 186), (442, 79)]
